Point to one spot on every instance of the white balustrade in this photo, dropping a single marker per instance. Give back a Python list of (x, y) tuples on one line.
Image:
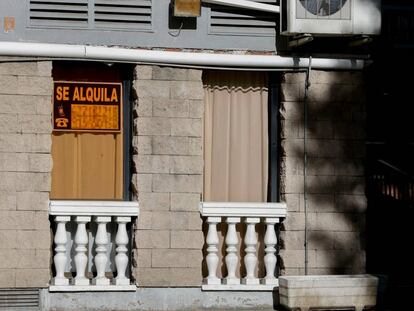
[(250, 216), (87, 215)]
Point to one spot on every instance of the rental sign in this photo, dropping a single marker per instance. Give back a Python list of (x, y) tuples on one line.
[(87, 106)]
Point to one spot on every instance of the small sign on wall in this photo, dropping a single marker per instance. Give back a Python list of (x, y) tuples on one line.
[(87, 106)]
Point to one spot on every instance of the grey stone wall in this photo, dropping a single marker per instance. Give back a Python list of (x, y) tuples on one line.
[(25, 165), (336, 200), (168, 178)]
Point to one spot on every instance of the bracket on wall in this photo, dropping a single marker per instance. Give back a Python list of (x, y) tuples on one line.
[(300, 40)]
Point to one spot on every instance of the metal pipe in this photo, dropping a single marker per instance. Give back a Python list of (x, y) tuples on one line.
[(246, 4), (101, 53)]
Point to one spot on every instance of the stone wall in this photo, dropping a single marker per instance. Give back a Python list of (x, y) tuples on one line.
[(168, 180), (25, 165), (336, 200)]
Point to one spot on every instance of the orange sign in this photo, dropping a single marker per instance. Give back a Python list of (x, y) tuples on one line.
[(87, 106)]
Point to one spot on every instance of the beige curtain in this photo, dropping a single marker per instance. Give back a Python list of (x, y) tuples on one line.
[(236, 136)]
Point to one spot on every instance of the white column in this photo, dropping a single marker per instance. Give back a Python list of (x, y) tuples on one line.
[(232, 258), (121, 258), (81, 241), (212, 259), (270, 259), (250, 259), (60, 249), (101, 241)]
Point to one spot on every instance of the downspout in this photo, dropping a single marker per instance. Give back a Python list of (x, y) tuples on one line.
[(114, 54), (305, 160)]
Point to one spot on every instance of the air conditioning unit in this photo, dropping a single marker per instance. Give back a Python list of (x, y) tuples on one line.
[(330, 17)]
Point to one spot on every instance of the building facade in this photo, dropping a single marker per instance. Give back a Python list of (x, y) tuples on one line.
[(152, 161)]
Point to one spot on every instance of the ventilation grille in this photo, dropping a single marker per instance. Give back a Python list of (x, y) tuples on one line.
[(59, 13), (107, 14), (231, 20), (123, 14), (19, 299)]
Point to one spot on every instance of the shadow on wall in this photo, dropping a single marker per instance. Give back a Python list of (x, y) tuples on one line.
[(332, 119)]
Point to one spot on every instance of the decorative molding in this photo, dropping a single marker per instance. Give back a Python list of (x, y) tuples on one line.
[(243, 209), (93, 208)]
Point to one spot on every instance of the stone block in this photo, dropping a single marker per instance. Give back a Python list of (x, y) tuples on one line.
[(8, 162), (19, 68), (195, 74), (7, 278), (33, 162), (292, 240), (33, 239), (292, 165), (294, 77), (186, 127), (321, 240), (8, 84), (145, 220), (195, 222), (8, 239), (349, 167), (195, 146), (292, 111), (169, 74), (44, 68), (152, 88), (143, 72), (170, 145), (339, 258), (17, 220), (152, 239), (349, 241), (186, 276), (33, 259), (196, 108), (186, 202), (41, 220), (186, 164), (186, 221), (7, 201), (161, 220), (176, 258), (143, 107), (159, 277), (292, 201), (34, 85), (292, 184), (175, 108), (33, 278), (142, 258), (187, 90), (319, 203), (296, 258), (144, 182), (33, 182), (177, 183), (152, 163), (187, 239), (35, 124), (291, 129), (142, 144), (17, 104), (8, 181), (292, 92), (9, 123), (337, 222), (351, 203), (153, 126), (350, 185), (150, 201)]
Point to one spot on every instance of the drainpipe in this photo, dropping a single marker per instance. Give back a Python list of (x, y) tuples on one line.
[(113, 54), (246, 4)]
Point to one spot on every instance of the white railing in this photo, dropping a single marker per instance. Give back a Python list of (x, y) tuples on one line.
[(83, 244), (238, 213)]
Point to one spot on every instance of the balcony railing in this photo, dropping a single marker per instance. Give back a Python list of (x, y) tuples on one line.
[(245, 216), (92, 242)]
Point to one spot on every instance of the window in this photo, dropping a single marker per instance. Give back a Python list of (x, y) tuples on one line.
[(90, 150)]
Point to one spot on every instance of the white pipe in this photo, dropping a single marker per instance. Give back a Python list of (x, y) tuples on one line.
[(113, 54), (246, 4)]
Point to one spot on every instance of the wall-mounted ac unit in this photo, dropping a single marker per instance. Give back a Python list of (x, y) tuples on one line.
[(330, 17)]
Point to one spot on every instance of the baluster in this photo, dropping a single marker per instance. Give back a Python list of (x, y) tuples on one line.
[(81, 259), (60, 249), (101, 258), (231, 258), (121, 258), (212, 259), (250, 259), (270, 259)]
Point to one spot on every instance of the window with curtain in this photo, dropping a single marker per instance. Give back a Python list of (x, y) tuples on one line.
[(236, 141)]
